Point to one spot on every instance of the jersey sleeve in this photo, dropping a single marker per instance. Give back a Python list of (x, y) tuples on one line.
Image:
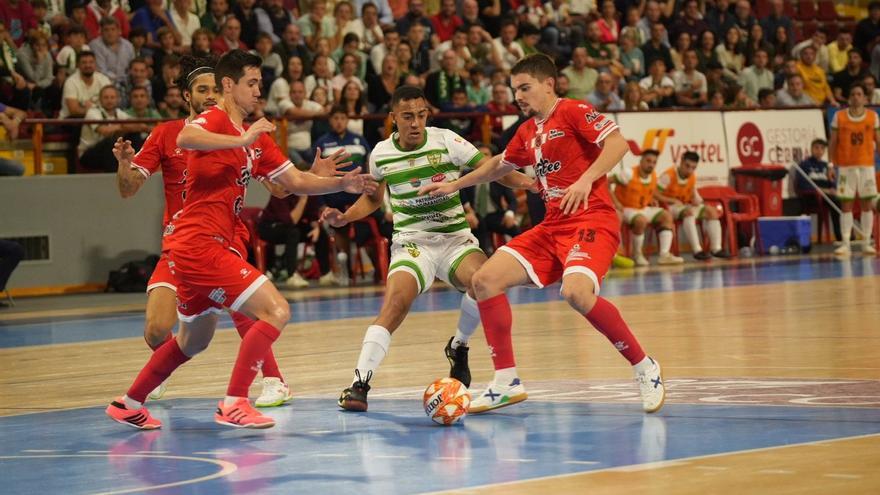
[(517, 153), (269, 162), (461, 151), (149, 158), (591, 124), (374, 168), (211, 121)]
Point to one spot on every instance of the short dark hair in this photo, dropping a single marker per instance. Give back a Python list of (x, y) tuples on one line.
[(537, 65), (859, 85), (819, 141), (190, 68), (406, 93), (764, 93), (529, 29), (109, 21), (367, 4), (338, 109), (650, 152), (138, 60), (137, 32), (350, 38), (690, 156), (76, 29), (232, 65), (84, 54)]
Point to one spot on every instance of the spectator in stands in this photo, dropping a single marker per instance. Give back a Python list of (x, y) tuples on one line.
[(500, 104), (690, 22), (653, 15), (777, 19), (350, 44), (818, 171), (757, 42), (173, 106), (458, 103), (743, 18), (272, 67), (690, 84), (230, 37), (367, 27), (11, 254), (96, 141), (299, 130), (495, 208), (481, 48), (756, 77), (786, 70), (782, 46), (737, 98), (817, 41), (716, 100), (706, 51), (868, 29), (280, 89), (416, 15), (77, 13), (631, 58), (815, 80), (151, 17), (166, 48), (658, 89), (390, 40), (82, 88), (353, 100), (439, 84), (838, 51), (529, 36), (730, 53), (289, 221), (715, 80), (274, 19), (871, 90), (35, 63), (213, 19), (851, 74), (609, 27), (470, 14), (446, 22), (140, 106), (719, 16), (380, 87), (631, 25), (52, 96), (562, 86), (348, 74), (10, 119), (477, 88), (137, 77), (316, 24), (343, 15), (97, 10), (243, 10), (767, 98), (793, 94), (493, 14), (184, 21), (74, 44), (510, 52), (113, 53), (292, 45), (138, 39), (582, 79), (602, 57), (632, 98), (168, 74), (458, 44), (421, 54), (18, 16), (682, 44), (655, 48), (604, 96)]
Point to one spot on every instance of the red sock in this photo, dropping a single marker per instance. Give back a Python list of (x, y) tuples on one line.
[(162, 363), (270, 367), (254, 346), (497, 322), (167, 338), (606, 318)]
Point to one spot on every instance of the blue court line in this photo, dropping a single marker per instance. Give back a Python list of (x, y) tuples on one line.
[(392, 449), (620, 283)]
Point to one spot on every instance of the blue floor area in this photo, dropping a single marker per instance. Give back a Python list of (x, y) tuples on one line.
[(392, 449), (620, 282)]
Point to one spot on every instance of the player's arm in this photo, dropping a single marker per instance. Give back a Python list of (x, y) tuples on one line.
[(194, 137), (614, 147), (306, 183), (513, 180), (363, 207), (128, 179), (274, 189), (489, 170)]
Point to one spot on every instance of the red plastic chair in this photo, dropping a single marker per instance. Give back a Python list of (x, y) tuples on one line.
[(826, 11), (380, 244), (747, 212), (251, 217), (806, 10)]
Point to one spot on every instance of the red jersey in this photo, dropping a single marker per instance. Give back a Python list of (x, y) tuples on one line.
[(561, 148), (217, 181), (160, 151)]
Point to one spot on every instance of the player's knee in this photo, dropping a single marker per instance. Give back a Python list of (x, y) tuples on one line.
[(485, 284), (665, 219), (279, 314), (579, 296), (191, 346), (156, 329), (639, 224)]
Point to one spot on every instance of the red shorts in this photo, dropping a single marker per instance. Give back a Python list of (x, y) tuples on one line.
[(161, 276), (210, 278), (557, 247)]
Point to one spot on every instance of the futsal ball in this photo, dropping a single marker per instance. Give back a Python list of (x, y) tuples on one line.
[(446, 401)]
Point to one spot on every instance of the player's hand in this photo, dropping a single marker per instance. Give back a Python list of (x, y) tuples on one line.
[(358, 183), (438, 189), (330, 166), (576, 197), (472, 220), (261, 126), (123, 150), (333, 217)]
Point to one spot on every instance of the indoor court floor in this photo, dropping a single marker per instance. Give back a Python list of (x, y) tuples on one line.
[(772, 368)]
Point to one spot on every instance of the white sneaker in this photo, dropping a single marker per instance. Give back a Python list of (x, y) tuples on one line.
[(669, 259), (641, 260), (868, 248), (497, 396), (328, 279), (158, 392), (651, 387), (297, 281), (843, 251), (275, 392)]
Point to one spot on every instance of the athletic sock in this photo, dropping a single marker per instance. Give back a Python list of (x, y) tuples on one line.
[(162, 363), (867, 224), (665, 237), (255, 345), (638, 240), (606, 318), (468, 320), (377, 340), (846, 226), (166, 339), (270, 366), (689, 225), (497, 324), (714, 228)]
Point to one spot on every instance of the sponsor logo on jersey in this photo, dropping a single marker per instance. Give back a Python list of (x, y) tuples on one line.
[(412, 249), (258, 152), (602, 124), (169, 229), (412, 162), (434, 158), (244, 272), (178, 151), (438, 178), (553, 193), (555, 133), (415, 182), (218, 295), (545, 167), (237, 205), (592, 116)]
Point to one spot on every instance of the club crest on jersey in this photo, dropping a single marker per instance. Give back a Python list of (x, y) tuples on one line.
[(434, 158), (244, 272), (169, 229), (438, 178), (545, 167), (218, 295), (412, 249), (178, 151)]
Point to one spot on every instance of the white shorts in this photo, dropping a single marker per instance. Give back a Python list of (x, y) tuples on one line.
[(649, 212), (678, 210), (856, 180), (426, 256)]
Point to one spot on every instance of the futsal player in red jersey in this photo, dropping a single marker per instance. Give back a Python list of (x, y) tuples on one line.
[(571, 147), (208, 275)]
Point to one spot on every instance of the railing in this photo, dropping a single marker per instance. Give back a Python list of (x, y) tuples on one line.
[(38, 134)]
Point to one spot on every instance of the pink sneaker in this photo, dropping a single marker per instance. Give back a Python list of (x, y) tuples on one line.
[(242, 414), (139, 418)]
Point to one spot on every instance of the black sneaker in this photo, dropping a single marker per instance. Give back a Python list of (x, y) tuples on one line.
[(458, 363), (721, 254), (702, 256), (354, 398)]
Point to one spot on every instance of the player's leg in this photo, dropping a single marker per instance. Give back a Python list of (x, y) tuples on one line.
[(638, 223), (847, 187), (275, 391), (688, 218), (466, 261), (712, 224), (867, 194), (161, 316), (663, 222)]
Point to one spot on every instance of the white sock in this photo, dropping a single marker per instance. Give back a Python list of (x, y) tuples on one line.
[(714, 228), (468, 320), (230, 400), (689, 225), (846, 226), (638, 241), (376, 343), (867, 224), (665, 237), (131, 403), (505, 376), (644, 365)]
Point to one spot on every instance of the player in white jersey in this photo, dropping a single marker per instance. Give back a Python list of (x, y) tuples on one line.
[(431, 238)]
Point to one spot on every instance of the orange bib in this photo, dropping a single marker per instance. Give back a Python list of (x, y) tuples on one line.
[(636, 194), (855, 140)]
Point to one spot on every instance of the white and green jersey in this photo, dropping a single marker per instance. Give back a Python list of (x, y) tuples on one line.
[(441, 158)]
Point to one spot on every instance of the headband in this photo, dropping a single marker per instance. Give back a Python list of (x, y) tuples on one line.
[(198, 71)]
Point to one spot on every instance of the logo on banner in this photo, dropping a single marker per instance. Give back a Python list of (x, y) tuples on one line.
[(655, 139), (749, 144)]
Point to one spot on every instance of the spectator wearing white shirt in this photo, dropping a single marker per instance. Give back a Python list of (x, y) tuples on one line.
[(390, 40), (81, 88), (299, 132), (690, 84), (506, 45), (96, 141), (658, 88), (367, 27), (185, 21), (346, 75)]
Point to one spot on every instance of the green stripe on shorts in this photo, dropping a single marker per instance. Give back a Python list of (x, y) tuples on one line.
[(415, 268)]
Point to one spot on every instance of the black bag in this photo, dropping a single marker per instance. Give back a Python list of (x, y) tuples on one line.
[(132, 276)]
